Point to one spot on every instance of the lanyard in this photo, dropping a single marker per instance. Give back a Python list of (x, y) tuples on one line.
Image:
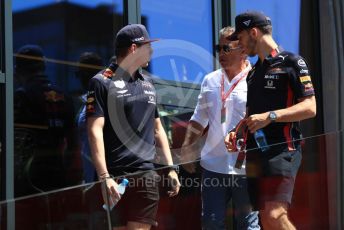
[(225, 96), (241, 127)]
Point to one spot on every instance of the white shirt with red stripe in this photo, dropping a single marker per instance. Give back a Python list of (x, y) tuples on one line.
[(214, 155)]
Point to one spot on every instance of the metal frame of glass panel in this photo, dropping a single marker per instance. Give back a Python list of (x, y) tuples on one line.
[(2, 77), (8, 81), (132, 11), (223, 15)]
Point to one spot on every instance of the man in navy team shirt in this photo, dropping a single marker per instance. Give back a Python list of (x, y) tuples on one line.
[(124, 130), (280, 94)]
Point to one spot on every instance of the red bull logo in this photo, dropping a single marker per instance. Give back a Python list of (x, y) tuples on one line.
[(53, 96)]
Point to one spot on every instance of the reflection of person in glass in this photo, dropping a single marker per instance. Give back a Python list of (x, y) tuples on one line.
[(280, 94), (89, 64), (44, 127), (221, 105), (124, 127)]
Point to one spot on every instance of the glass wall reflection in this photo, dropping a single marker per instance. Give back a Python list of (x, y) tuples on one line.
[(181, 59), (58, 47), (78, 208), (50, 87), (189, 24)]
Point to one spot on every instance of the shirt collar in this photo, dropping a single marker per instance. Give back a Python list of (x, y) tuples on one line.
[(273, 54), (118, 71), (238, 76)]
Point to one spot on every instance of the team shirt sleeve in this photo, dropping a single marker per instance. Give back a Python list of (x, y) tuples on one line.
[(156, 115), (96, 99), (301, 81), (156, 112)]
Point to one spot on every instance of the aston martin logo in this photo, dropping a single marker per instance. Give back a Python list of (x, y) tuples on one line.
[(119, 84)]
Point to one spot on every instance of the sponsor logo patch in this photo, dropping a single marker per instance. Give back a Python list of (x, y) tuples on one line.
[(270, 85), (53, 96), (304, 71), (107, 74), (90, 109), (151, 100), (147, 84), (301, 63), (305, 79), (122, 91), (276, 70), (90, 99), (119, 84), (274, 77), (149, 92)]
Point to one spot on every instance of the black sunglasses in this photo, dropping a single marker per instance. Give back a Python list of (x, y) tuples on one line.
[(225, 48)]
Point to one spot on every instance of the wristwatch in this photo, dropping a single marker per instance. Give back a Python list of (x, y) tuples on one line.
[(174, 167), (272, 116)]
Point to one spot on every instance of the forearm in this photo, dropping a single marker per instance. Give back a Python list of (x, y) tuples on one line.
[(298, 112), (166, 157), (305, 109), (98, 155), (162, 144), (96, 142), (193, 133)]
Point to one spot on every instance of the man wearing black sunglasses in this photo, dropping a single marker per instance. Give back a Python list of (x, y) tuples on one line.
[(226, 48), (221, 105)]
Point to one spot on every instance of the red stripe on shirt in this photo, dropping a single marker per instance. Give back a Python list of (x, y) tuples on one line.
[(287, 127)]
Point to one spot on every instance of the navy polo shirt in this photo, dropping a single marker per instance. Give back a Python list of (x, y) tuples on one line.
[(39, 103), (277, 83), (129, 108)]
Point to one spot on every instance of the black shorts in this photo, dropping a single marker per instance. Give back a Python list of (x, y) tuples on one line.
[(140, 201), (271, 174)]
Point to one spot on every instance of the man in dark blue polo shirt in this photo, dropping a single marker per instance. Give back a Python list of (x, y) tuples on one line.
[(45, 134), (280, 94), (124, 128)]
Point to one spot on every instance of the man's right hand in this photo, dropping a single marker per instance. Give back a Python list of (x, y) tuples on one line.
[(230, 142)]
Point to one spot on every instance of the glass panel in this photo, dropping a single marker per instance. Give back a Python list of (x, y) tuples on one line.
[(71, 208), (188, 56), (25, 5), (182, 57), (315, 197), (313, 204), (50, 86)]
